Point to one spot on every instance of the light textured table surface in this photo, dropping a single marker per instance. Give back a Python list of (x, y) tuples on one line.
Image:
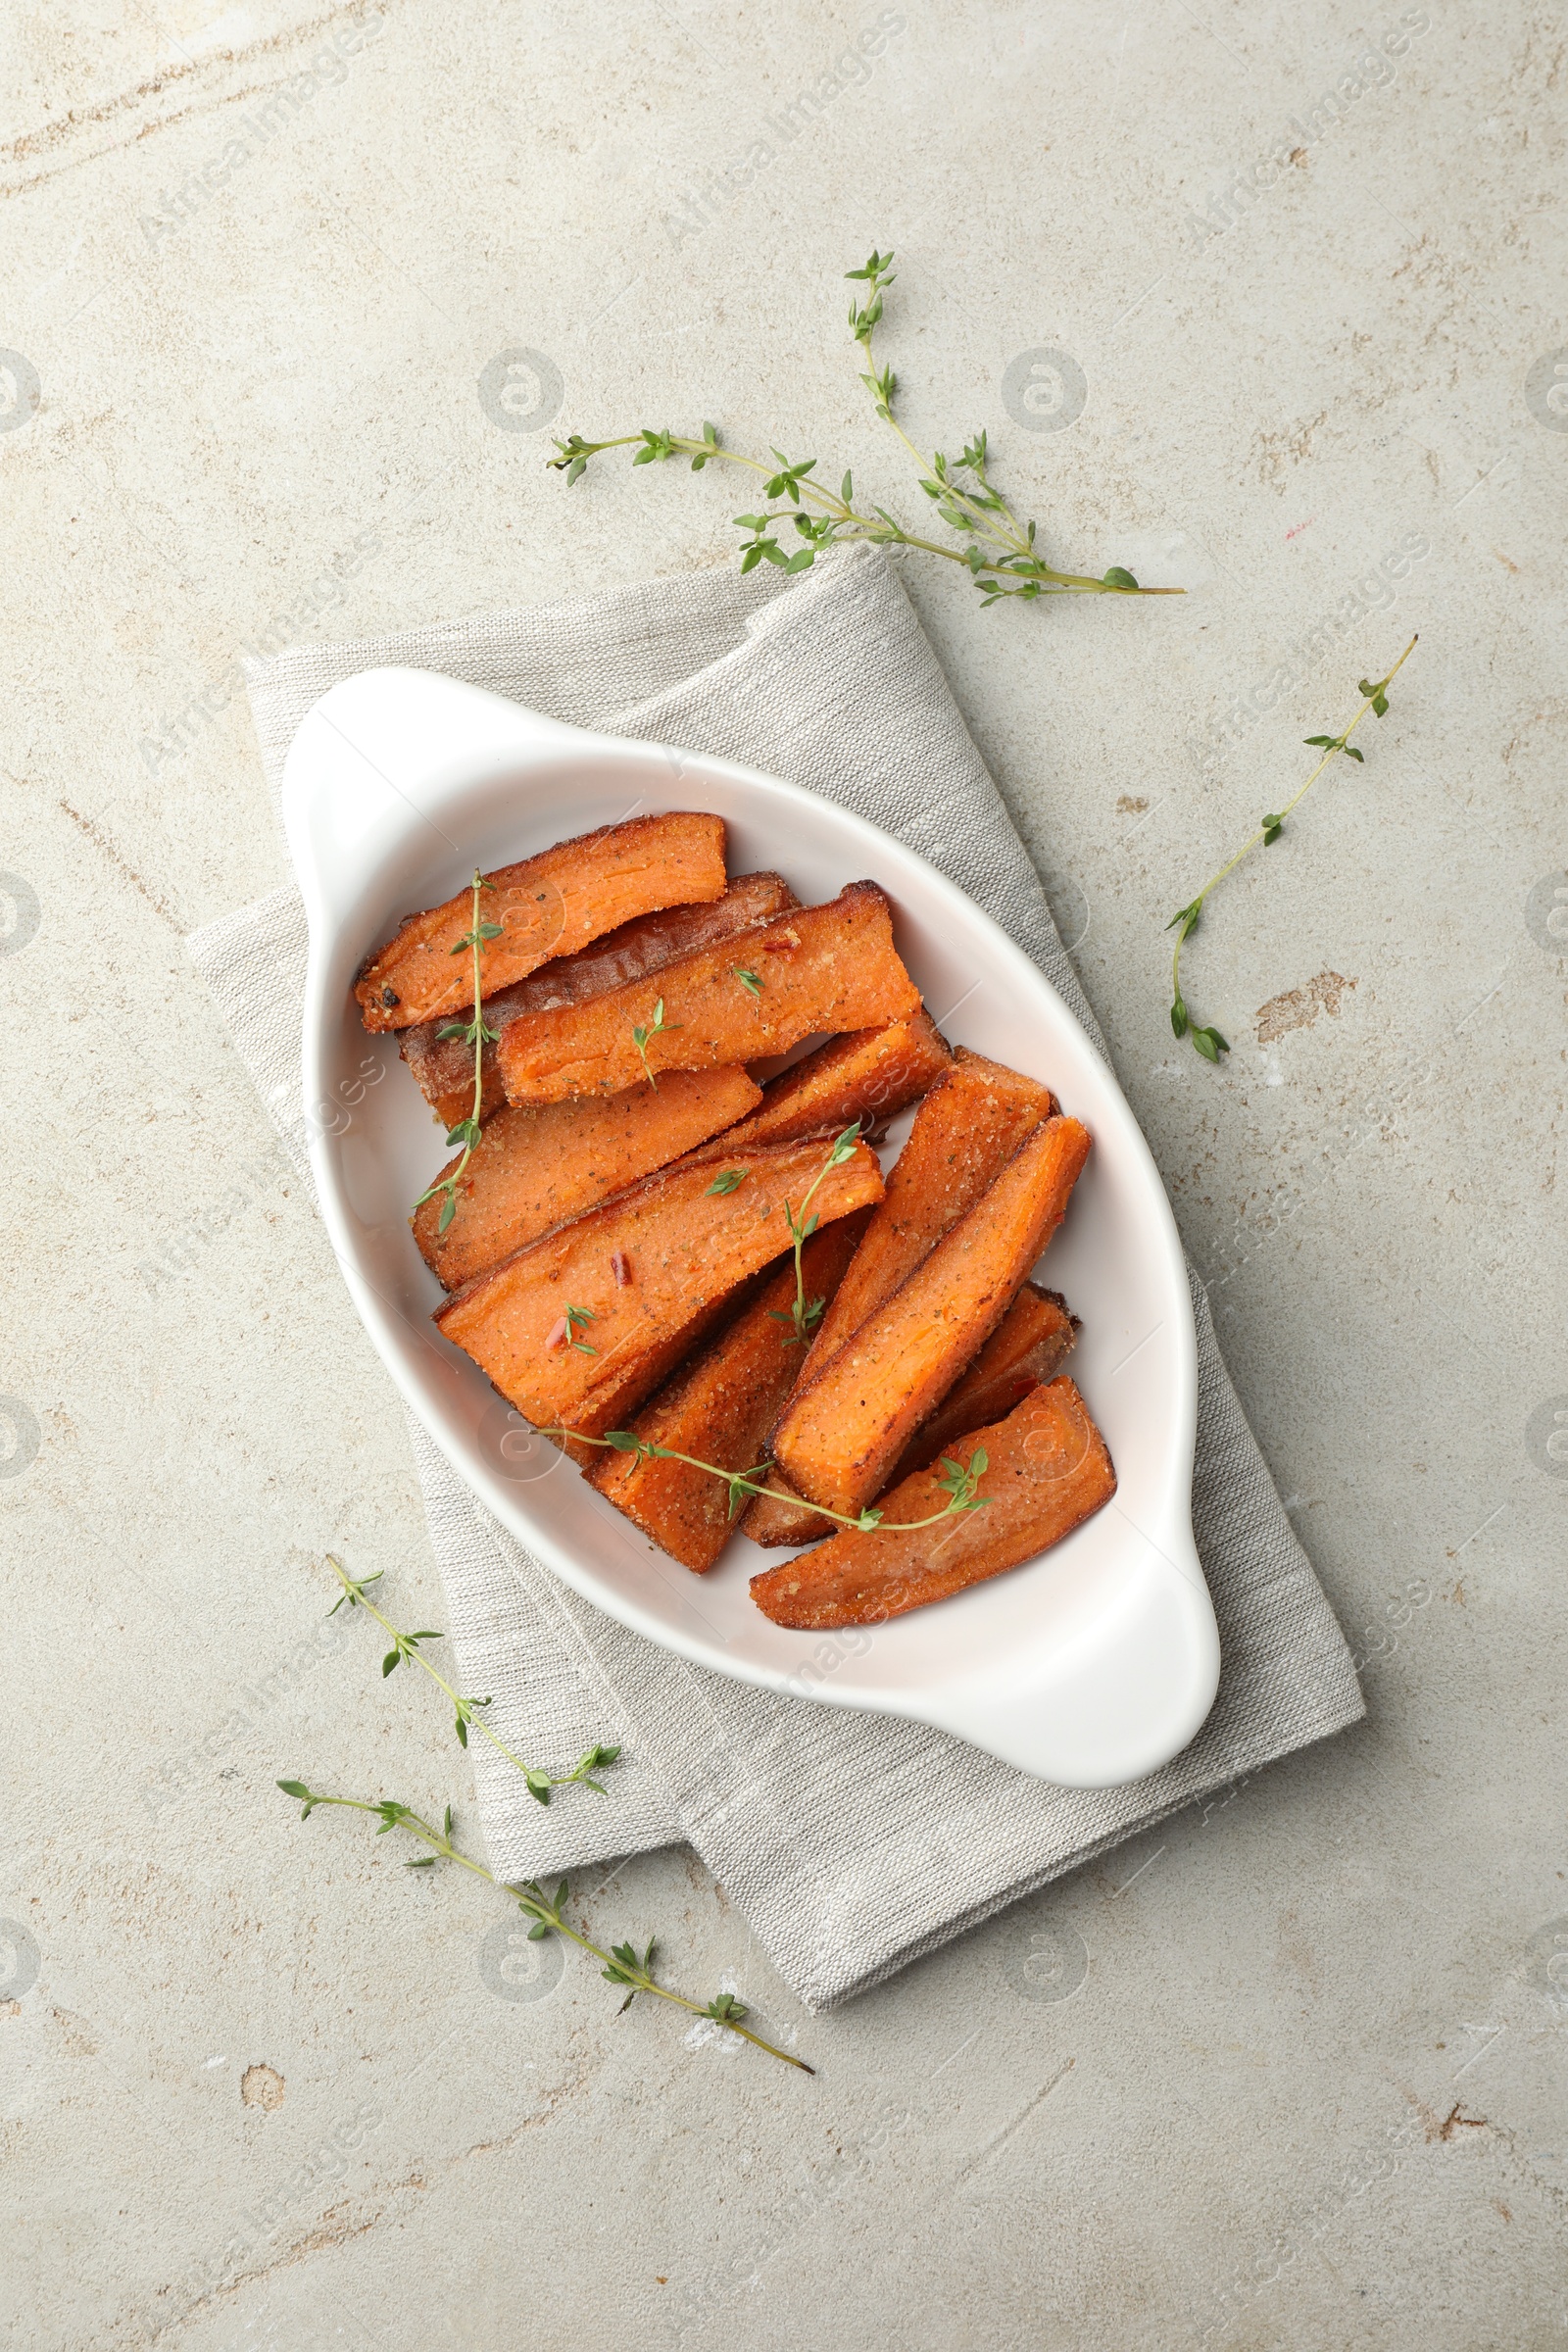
[(1288, 2073)]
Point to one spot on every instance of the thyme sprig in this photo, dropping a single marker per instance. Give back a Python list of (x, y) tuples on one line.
[(355, 1593), (655, 1028), (1184, 922), (477, 1033), (573, 1318), (623, 1963), (999, 551), (803, 1317), (962, 1485)]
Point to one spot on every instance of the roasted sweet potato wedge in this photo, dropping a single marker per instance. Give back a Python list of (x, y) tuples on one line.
[(718, 1408), (965, 1133), (556, 1322), (535, 1166), (868, 1076), (443, 1068), (547, 906), (617, 1401), (822, 968), (1046, 1470), (1028, 1346), (839, 1438), (779, 1516)]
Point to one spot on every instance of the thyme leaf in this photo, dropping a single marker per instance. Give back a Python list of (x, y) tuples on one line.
[(1209, 1042), (355, 1595), (475, 1031), (640, 1037), (622, 1964), (998, 553)]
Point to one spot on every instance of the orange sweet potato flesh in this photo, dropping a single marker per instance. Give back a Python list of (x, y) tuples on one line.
[(1046, 1471), (822, 968), (443, 1068), (719, 1408), (839, 1438), (1027, 1348), (636, 1272), (547, 906), (536, 1165), (617, 1401), (868, 1076), (965, 1133), (778, 1516)]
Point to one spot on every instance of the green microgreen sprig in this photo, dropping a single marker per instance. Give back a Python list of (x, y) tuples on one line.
[(1184, 922), (803, 1316), (999, 551), (622, 1964), (752, 981), (658, 1027), (477, 1033), (355, 1593)]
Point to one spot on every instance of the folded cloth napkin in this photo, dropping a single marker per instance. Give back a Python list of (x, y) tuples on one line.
[(850, 1843)]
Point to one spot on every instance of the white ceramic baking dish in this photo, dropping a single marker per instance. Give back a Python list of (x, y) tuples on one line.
[(1092, 1665)]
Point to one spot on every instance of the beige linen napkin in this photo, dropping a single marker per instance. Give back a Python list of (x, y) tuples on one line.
[(850, 1843)]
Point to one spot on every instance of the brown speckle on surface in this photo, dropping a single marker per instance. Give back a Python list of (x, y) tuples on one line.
[(262, 2087), (1442, 2127), (1288, 446), (101, 840), (1454, 2121), (77, 2035), (1299, 1007)]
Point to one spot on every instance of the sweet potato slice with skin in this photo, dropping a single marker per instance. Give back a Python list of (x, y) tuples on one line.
[(443, 1069), (533, 1167), (831, 967), (868, 1076), (1046, 1471), (1027, 1348), (965, 1133), (547, 906), (839, 1439), (718, 1408), (635, 1271)]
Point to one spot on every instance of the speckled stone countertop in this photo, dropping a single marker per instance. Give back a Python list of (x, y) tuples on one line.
[(1259, 301)]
